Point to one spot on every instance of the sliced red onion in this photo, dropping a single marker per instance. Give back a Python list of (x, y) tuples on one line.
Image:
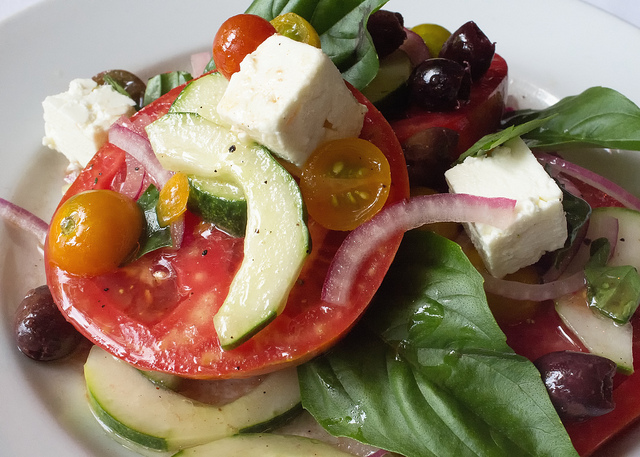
[(199, 62), (403, 216), (177, 232), (139, 147), (415, 47), (24, 220), (537, 292), (132, 184), (591, 178)]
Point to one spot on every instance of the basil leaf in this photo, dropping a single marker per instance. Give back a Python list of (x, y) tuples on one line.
[(154, 236), (493, 140), (339, 24), (159, 85), (599, 116), (428, 371)]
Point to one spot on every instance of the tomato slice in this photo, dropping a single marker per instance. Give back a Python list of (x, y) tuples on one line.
[(157, 313), (480, 116)]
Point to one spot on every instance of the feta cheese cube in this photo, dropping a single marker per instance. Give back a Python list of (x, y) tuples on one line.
[(290, 97), (512, 171), (77, 121)]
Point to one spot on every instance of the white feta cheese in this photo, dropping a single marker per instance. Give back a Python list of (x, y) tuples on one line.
[(290, 97), (512, 171), (77, 121)]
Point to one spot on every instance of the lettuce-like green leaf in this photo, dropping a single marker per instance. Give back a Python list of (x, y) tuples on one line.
[(341, 25), (428, 372)]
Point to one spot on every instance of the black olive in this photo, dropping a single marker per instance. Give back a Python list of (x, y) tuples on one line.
[(387, 31), (470, 45), (580, 384), (131, 84), (439, 84), (41, 332)]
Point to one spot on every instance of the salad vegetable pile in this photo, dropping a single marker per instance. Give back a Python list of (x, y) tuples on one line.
[(333, 237)]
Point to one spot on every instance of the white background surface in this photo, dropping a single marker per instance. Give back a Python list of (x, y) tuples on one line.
[(628, 10)]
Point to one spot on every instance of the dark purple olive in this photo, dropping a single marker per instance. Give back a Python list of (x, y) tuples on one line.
[(429, 154), (580, 384), (387, 31), (41, 331), (470, 45), (439, 84), (131, 84)]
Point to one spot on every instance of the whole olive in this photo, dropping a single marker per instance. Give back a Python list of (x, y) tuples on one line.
[(470, 45), (439, 84), (428, 154), (41, 332), (580, 384), (131, 84), (387, 31)]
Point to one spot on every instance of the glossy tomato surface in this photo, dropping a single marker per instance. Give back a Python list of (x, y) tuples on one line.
[(480, 116), (157, 312)]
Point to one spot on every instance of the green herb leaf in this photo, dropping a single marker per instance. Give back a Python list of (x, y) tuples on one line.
[(599, 116), (159, 85), (493, 140), (154, 236), (428, 372), (342, 33)]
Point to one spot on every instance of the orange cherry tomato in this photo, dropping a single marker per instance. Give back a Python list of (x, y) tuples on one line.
[(297, 28), (238, 36), (172, 202), (345, 183), (94, 232)]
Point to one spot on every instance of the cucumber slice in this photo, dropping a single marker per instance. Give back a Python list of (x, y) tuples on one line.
[(201, 96), (600, 335), (276, 239), (220, 202), (128, 404), (391, 80), (264, 445), (627, 251)]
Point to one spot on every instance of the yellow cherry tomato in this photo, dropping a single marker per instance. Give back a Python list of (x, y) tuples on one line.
[(433, 35), (94, 232), (297, 28), (345, 183), (172, 202)]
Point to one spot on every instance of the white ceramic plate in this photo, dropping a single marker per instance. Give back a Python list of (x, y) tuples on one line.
[(554, 48)]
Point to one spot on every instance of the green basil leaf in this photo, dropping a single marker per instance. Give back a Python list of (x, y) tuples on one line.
[(159, 85), (428, 371), (614, 291), (493, 140), (599, 116), (154, 236), (339, 24)]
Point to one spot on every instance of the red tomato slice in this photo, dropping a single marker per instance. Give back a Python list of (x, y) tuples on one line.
[(480, 116), (157, 313), (545, 333)]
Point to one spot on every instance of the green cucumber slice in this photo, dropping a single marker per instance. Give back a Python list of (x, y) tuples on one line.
[(201, 96), (391, 80), (220, 202), (128, 404), (276, 239), (264, 445)]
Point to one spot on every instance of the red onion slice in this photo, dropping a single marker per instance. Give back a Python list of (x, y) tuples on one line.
[(199, 62), (403, 216), (415, 47), (139, 147), (24, 220), (132, 185), (591, 178), (535, 292)]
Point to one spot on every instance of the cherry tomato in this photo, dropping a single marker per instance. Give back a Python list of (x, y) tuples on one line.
[(238, 36), (434, 36), (93, 232), (297, 28), (172, 202), (345, 182)]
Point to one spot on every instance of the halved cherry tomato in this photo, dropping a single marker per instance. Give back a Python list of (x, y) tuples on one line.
[(345, 183), (94, 231), (297, 28), (238, 36), (172, 202)]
